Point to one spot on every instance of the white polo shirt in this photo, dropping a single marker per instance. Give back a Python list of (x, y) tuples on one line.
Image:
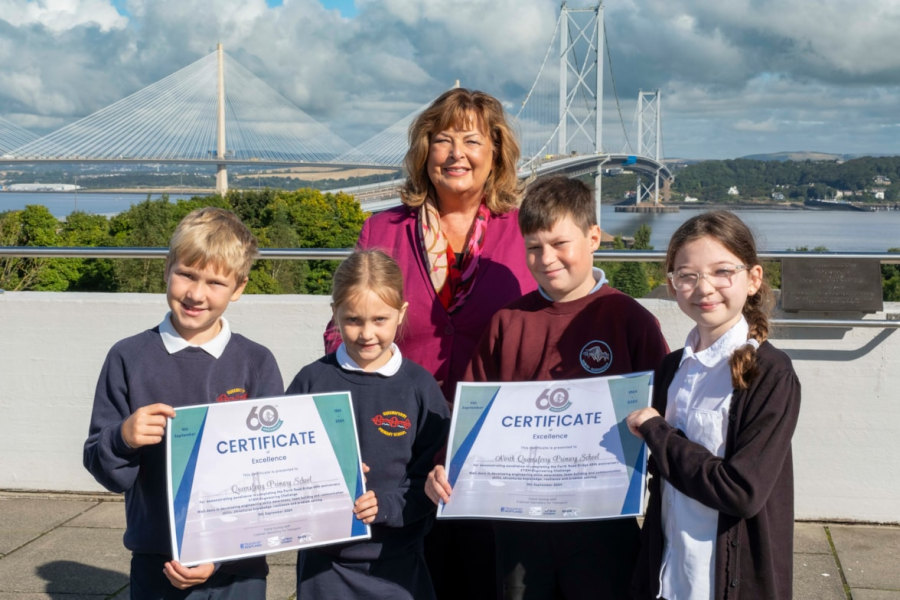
[(698, 404), (391, 367), (173, 341)]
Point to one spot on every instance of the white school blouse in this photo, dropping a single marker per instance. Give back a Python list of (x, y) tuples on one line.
[(698, 401)]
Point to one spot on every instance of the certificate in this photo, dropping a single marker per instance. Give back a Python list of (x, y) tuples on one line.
[(547, 450), (260, 476)]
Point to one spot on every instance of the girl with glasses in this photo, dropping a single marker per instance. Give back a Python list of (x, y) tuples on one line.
[(720, 518)]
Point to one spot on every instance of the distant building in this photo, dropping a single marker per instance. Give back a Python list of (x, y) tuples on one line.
[(690, 199), (733, 191), (777, 196), (882, 180), (43, 187)]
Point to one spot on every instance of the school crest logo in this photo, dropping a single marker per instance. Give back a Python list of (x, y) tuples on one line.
[(596, 357), (232, 395), (392, 423)]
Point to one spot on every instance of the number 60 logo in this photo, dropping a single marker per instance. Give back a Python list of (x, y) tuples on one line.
[(556, 400), (266, 419)]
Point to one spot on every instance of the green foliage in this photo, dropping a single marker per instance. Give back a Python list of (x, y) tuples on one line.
[(709, 180), (300, 219), (631, 278), (890, 276)]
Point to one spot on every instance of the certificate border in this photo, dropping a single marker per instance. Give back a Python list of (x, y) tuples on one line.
[(452, 455), (170, 499)]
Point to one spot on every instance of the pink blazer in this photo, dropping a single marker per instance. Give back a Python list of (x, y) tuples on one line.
[(440, 342)]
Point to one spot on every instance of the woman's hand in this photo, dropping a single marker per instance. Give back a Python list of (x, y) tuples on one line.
[(638, 417), (437, 487), (184, 577)]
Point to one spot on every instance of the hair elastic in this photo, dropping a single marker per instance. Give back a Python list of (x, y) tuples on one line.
[(752, 342)]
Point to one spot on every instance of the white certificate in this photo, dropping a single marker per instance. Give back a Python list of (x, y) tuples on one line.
[(260, 476), (547, 450)]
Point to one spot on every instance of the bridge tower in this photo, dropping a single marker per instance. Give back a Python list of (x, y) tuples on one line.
[(585, 39), (221, 168), (575, 38), (649, 118)]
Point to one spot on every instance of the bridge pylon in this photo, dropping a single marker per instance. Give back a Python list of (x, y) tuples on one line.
[(221, 149), (580, 77), (649, 120)]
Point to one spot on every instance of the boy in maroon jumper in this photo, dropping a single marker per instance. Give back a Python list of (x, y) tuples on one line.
[(574, 325)]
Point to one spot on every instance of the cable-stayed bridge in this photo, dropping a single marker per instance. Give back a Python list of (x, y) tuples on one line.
[(216, 112)]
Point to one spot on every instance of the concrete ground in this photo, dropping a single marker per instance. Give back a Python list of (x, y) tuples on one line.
[(69, 547)]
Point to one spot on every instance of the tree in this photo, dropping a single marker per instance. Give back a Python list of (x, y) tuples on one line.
[(32, 226), (148, 224), (890, 277), (631, 277)]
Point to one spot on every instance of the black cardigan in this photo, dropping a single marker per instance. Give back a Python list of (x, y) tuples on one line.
[(752, 487)]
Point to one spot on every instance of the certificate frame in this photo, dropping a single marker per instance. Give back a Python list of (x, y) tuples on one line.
[(547, 450), (259, 476)]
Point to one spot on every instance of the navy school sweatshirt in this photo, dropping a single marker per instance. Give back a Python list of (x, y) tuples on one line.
[(138, 372), (402, 422)]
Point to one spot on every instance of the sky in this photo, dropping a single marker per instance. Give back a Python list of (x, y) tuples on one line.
[(738, 77)]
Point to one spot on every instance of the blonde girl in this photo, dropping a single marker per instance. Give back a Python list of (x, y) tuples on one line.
[(721, 514), (402, 421)]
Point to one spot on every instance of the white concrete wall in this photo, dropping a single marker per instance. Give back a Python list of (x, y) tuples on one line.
[(52, 346)]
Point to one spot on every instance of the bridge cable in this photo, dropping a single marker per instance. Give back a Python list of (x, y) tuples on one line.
[(615, 91)]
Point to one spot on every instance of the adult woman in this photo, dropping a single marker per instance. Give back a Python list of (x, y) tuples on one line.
[(457, 241)]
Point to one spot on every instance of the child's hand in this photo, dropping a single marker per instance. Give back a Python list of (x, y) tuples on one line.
[(366, 469), (184, 577), (366, 507), (637, 418), (147, 425), (437, 487)]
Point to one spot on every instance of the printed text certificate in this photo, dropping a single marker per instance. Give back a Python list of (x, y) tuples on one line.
[(259, 476), (547, 450)]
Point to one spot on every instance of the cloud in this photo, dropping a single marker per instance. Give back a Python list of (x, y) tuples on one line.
[(738, 77), (61, 15)]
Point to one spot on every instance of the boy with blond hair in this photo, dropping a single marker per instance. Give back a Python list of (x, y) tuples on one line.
[(191, 357), (573, 326)]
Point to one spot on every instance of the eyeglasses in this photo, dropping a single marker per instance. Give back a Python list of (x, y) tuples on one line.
[(686, 281)]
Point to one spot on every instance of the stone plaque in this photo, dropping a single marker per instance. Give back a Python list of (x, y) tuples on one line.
[(831, 284)]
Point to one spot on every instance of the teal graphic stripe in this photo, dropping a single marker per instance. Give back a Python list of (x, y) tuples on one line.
[(189, 435), (187, 431), (462, 450), (473, 400), (357, 527), (632, 504), (337, 417), (630, 393)]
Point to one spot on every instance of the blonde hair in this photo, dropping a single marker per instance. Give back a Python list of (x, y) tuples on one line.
[(213, 236), (727, 229), (368, 270), (465, 108)]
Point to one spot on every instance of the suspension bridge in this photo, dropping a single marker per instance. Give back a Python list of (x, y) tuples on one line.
[(216, 112)]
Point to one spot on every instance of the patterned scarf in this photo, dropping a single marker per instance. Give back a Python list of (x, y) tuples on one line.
[(452, 280)]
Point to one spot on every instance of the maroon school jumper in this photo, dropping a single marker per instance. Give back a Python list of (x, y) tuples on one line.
[(534, 339)]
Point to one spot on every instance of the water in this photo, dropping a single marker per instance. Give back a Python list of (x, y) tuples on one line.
[(775, 230), (61, 204)]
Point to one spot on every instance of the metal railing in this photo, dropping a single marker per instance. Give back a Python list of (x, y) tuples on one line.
[(342, 253), (893, 322)]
